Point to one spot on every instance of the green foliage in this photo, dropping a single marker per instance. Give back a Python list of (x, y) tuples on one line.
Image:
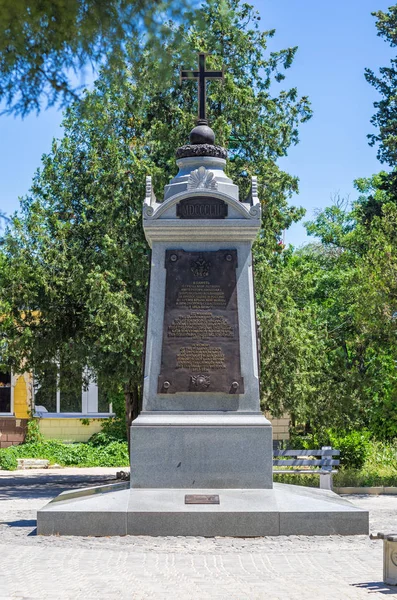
[(8, 459), (114, 454), (299, 479), (116, 398), (329, 337), (385, 83), (33, 433), (114, 428), (75, 281), (378, 469), (365, 478), (373, 196), (354, 446), (116, 432), (382, 455), (42, 44)]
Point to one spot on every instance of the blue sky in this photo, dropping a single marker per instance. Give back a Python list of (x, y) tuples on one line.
[(336, 41)]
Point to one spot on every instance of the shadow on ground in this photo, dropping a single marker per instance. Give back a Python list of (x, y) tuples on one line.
[(46, 486), (21, 523), (377, 587)]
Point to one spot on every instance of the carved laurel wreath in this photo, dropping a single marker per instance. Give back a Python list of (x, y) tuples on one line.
[(200, 381), (201, 178)]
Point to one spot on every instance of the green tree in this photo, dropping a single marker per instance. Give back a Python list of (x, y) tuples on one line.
[(385, 119), (342, 293), (292, 349), (76, 255), (42, 44), (374, 194)]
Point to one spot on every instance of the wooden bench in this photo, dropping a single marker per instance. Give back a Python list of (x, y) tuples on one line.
[(312, 466)]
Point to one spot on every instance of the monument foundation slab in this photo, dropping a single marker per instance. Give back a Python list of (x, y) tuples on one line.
[(283, 510)]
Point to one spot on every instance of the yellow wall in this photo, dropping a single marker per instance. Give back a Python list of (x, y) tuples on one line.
[(22, 396), (69, 429), (280, 426)]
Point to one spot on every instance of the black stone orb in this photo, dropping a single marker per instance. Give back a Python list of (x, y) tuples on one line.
[(202, 134)]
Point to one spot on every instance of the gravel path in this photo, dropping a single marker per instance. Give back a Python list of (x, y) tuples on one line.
[(287, 568)]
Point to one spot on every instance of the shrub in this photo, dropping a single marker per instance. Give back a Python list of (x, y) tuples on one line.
[(113, 430), (78, 455), (354, 446), (33, 433), (8, 459)]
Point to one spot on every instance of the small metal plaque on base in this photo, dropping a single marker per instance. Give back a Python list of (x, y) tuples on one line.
[(202, 499)]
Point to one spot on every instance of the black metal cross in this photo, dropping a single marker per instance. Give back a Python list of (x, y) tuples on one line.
[(201, 75)]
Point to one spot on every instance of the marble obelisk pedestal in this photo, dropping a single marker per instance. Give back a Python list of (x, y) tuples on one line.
[(201, 450)]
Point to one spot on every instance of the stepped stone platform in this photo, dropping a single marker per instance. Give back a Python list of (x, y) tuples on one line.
[(116, 510)]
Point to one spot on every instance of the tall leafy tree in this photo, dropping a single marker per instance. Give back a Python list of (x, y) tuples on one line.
[(375, 192), (43, 43), (77, 259), (385, 119), (340, 294)]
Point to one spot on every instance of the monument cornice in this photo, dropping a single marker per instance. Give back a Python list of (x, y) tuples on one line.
[(153, 210), (164, 419), (203, 230)]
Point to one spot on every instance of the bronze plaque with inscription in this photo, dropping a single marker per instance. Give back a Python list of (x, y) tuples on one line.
[(201, 346)]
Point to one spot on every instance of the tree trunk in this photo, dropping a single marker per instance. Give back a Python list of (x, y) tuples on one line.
[(133, 405)]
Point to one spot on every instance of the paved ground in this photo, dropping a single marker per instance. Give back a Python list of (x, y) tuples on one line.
[(282, 568)]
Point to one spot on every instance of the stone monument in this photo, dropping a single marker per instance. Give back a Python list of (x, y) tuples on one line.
[(201, 424), (201, 450)]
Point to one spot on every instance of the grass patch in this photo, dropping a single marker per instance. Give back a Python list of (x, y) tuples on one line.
[(306, 480)]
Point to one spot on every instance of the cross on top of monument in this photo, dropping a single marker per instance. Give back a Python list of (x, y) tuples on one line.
[(201, 75)]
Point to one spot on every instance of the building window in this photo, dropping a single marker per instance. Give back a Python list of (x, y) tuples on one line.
[(66, 391), (5, 392)]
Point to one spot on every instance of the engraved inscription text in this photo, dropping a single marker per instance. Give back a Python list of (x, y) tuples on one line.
[(200, 357), (200, 325), (201, 295)]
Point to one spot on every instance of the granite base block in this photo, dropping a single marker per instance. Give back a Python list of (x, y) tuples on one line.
[(229, 454), (283, 510)]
